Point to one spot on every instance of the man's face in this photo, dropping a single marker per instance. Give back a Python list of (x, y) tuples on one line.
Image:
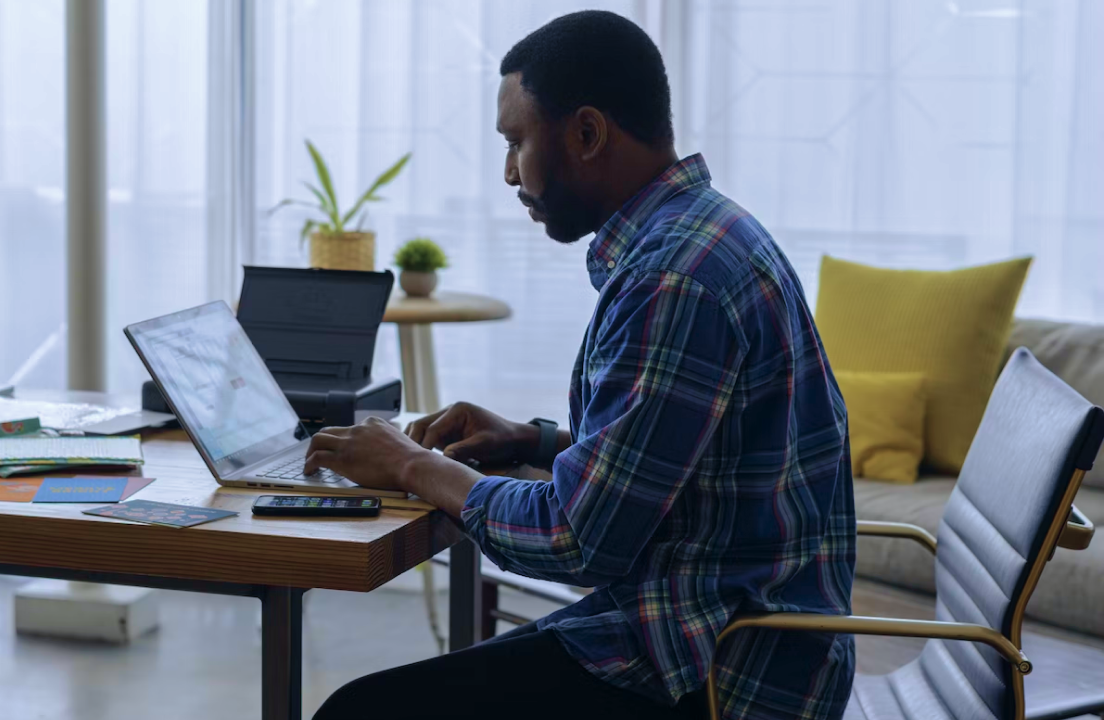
[(537, 163)]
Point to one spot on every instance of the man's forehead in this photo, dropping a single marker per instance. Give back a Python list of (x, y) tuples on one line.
[(514, 103)]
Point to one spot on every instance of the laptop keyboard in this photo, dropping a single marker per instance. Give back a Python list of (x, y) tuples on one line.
[(293, 470)]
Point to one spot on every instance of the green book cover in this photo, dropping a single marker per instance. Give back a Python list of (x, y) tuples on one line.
[(7, 471), (26, 426)]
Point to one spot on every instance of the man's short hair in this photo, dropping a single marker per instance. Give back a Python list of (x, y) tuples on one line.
[(600, 59)]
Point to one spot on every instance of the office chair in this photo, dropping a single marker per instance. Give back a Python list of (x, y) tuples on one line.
[(1012, 506)]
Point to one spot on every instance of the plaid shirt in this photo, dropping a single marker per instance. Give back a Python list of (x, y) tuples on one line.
[(709, 474)]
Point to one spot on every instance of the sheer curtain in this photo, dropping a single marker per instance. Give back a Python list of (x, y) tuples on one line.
[(32, 181), (157, 86), (910, 133), (157, 146)]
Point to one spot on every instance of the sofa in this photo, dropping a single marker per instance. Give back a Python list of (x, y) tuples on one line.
[(1071, 591)]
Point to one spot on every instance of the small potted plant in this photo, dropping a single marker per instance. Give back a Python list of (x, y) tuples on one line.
[(338, 240), (419, 260)]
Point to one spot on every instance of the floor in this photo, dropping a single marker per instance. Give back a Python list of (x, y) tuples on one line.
[(204, 661)]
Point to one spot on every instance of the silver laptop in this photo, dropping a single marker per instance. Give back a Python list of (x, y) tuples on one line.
[(226, 399)]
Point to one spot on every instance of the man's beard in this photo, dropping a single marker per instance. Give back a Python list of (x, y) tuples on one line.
[(567, 216)]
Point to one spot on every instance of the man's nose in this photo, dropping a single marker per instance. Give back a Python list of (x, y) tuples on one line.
[(512, 176)]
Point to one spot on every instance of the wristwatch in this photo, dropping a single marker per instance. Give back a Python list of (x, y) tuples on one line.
[(546, 448)]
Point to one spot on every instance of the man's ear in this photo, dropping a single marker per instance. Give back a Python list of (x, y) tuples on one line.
[(590, 132)]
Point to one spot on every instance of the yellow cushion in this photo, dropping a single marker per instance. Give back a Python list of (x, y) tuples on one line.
[(951, 327), (885, 416)]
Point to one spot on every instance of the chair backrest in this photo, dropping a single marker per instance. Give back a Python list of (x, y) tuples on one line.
[(1000, 526)]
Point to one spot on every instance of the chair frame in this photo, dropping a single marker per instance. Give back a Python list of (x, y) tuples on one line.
[(1068, 529)]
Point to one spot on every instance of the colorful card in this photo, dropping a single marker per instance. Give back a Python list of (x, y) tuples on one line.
[(158, 513), (24, 489), (81, 490), (134, 484), (19, 490)]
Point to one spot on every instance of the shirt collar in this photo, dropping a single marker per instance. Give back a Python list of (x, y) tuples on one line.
[(615, 237)]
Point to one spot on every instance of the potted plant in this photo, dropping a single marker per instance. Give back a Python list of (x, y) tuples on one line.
[(338, 240), (419, 260)]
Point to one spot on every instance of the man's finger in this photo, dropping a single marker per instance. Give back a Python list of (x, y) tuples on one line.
[(338, 431), (441, 430), (473, 448), (325, 441), (319, 459), (416, 430)]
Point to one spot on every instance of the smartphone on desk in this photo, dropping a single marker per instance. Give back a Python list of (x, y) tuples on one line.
[(316, 506)]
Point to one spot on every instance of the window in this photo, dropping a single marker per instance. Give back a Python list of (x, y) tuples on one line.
[(912, 134), (32, 196)]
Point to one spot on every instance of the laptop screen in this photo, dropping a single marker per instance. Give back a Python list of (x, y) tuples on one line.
[(217, 384)]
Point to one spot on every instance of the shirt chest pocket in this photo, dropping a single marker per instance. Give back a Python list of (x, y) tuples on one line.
[(590, 367), (591, 361)]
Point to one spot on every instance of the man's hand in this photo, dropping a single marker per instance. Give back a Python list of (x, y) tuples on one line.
[(466, 432), (373, 454)]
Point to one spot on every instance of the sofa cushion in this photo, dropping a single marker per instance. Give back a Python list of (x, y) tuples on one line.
[(901, 562), (950, 326), (1074, 353), (1069, 592), (885, 421)]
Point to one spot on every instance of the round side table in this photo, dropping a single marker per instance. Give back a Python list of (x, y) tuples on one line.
[(415, 318)]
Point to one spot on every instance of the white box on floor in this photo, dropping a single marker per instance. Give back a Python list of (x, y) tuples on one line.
[(85, 611)]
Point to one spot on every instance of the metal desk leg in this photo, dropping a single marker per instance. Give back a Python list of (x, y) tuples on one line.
[(465, 596), (281, 653), (419, 368)]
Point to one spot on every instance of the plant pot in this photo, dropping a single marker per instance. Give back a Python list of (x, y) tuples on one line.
[(343, 251), (418, 284)]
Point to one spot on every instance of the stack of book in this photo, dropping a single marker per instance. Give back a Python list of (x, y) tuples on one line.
[(28, 447)]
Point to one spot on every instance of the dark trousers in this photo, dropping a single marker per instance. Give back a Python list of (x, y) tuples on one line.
[(523, 674)]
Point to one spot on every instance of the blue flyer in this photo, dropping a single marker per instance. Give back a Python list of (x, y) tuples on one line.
[(81, 490)]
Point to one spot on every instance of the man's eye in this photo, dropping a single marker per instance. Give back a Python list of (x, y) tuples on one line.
[(511, 146)]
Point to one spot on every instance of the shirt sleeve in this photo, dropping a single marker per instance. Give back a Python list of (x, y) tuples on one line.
[(661, 374)]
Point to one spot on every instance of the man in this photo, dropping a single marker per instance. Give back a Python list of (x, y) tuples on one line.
[(706, 471)]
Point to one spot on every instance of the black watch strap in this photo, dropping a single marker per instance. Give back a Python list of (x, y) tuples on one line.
[(546, 448)]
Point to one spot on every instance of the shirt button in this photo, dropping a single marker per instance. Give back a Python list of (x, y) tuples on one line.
[(610, 264)]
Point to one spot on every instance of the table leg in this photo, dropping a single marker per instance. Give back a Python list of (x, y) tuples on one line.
[(419, 368), (465, 596), (281, 653), (465, 582)]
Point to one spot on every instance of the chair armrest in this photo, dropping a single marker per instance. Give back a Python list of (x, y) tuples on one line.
[(858, 625), (899, 530), (1078, 532)]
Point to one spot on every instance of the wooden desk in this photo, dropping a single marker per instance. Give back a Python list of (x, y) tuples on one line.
[(273, 559), (415, 316)]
